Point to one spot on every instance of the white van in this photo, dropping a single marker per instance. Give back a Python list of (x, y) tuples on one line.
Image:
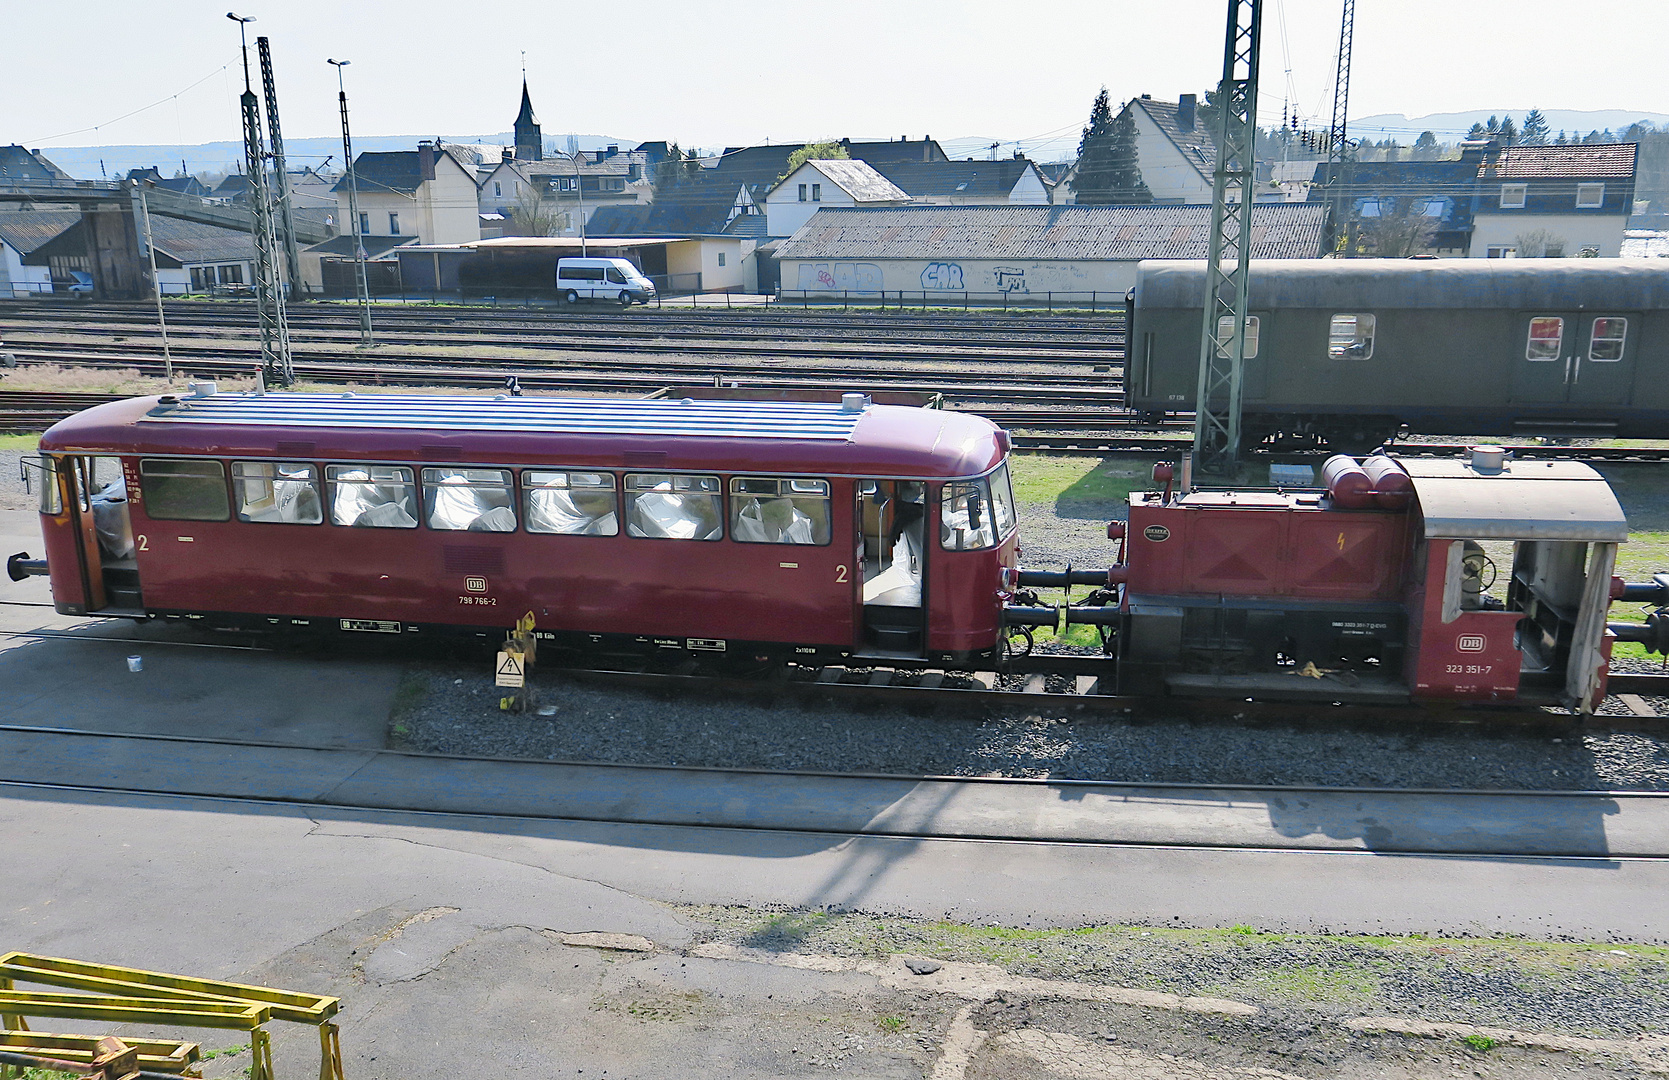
[(602, 279)]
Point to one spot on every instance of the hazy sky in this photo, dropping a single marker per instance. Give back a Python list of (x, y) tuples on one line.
[(707, 73)]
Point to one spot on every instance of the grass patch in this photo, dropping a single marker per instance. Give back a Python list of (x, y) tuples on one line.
[(412, 691), (1056, 478), (892, 1025), (1311, 984), (1483, 1044), (25, 442)]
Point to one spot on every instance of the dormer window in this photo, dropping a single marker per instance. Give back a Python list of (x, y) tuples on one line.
[(1590, 196), (1512, 196)]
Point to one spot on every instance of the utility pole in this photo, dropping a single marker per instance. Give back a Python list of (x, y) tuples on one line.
[(579, 193), (269, 291), (1340, 158), (284, 221), (1223, 331), (365, 341), (156, 286)]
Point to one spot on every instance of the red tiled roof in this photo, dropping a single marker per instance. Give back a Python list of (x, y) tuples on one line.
[(1531, 162)]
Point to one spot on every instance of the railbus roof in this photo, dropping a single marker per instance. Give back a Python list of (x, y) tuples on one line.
[(726, 435)]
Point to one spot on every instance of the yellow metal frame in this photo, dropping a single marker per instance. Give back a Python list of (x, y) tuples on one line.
[(134, 995), (155, 1055)]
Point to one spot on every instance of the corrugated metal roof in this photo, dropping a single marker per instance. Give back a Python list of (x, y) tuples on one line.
[(1279, 231), (599, 416), (1528, 500), (858, 179), (194, 243), (26, 230), (1529, 162)]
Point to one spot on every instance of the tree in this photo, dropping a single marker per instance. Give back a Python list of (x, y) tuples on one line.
[(1508, 132), (1535, 131), (1401, 228), (1493, 128), (1539, 244), (1093, 181), (817, 151), (669, 173), (1476, 131), (533, 215), (1124, 166), (1425, 147), (1561, 140)]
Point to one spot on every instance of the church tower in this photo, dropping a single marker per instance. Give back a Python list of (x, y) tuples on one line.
[(529, 145)]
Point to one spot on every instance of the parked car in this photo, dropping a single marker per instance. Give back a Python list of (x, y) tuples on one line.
[(602, 279), (81, 283)]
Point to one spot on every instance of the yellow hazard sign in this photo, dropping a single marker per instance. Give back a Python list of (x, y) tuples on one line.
[(511, 669)]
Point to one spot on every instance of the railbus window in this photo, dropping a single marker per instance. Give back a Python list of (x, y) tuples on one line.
[(1546, 334), (673, 506), (1002, 500), (52, 496), (285, 492), (779, 510), (1350, 337), (1605, 344), (372, 496), (473, 500), (966, 520), (184, 489), (571, 503), (1225, 335)]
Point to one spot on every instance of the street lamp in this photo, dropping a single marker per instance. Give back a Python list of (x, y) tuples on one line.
[(579, 193), (353, 208), (243, 21)]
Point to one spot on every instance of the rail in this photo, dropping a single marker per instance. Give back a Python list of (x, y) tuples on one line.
[(927, 299)]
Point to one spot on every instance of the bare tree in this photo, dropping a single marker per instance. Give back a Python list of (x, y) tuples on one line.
[(1539, 244), (534, 214), (1400, 229)]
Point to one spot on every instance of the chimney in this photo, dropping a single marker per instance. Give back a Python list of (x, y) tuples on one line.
[(926, 147), (613, 150), (425, 161), (1185, 111), (507, 153)]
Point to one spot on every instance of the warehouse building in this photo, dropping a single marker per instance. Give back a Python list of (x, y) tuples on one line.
[(1071, 253)]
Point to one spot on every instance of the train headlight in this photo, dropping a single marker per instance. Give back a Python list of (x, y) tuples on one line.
[(1008, 578)]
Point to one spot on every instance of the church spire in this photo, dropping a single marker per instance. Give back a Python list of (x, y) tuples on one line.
[(529, 143)]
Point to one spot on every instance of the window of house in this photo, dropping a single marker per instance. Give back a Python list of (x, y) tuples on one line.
[(281, 492), (617, 183), (802, 193), (232, 275), (1503, 251), (1605, 344), (1225, 334), (721, 258), (673, 507), (1547, 332), (182, 489), (1350, 337), (372, 496), (1590, 196), (817, 193), (472, 500), (1512, 196), (498, 190), (197, 284), (571, 503), (364, 223), (394, 224), (772, 510)]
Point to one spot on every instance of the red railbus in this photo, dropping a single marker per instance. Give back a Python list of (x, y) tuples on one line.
[(751, 529)]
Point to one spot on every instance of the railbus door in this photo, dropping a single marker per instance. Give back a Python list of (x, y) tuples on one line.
[(891, 557), (106, 541), (1576, 357)]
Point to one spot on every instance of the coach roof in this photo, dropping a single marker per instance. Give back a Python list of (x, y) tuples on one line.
[(726, 435)]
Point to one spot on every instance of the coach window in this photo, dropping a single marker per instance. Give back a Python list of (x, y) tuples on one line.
[(967, 520), (1350, 337), (178, 489), (372, 496), (1606, 342), (286, 492), (473, 500), (673, 507), (769, 510), (1546, 334), (571, 503), (1225, 334)]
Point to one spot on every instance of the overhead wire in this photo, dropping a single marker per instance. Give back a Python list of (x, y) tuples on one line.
[(135, 112)]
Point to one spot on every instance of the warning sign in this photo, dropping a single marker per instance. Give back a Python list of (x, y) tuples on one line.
[(511, 669)]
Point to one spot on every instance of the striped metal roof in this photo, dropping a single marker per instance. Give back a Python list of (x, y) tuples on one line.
[(1279, 231), (595, 416)]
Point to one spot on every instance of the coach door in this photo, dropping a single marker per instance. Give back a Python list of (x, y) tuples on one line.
[(892, 564), (1574, 358)]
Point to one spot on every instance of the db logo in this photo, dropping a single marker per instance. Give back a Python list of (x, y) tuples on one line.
[(479, 584), (1470, 643)]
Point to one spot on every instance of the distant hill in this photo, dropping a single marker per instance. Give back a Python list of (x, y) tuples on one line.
[(1448, 126), (83, 162)]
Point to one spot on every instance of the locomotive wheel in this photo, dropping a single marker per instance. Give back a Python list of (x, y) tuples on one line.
[(572, 297), (1358, 439)]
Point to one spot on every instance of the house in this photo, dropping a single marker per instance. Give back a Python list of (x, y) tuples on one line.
[(1399, 208), (184, 185), (1174, 151), (1080, 254), (1552, 201), (1009, 182), (22, 233), (598, 179), (836, 182), (191, 256), (18, 163)]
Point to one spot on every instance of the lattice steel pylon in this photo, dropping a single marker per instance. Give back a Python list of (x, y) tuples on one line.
[(269, 291), (1340, 159), (1217, 405), (283, 221)]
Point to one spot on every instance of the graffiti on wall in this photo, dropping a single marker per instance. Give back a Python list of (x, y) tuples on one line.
[(840, 277), (1010, 279), (942, 275)]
